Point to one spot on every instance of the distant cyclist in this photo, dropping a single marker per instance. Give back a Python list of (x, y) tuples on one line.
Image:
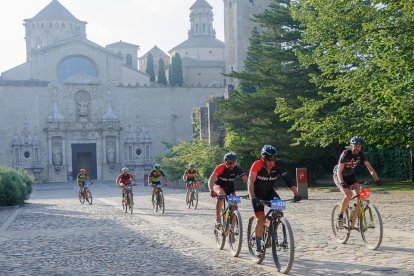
[(154, 178), (343, 173), (221, 181), (81, 178), (190, 176), (124, 179), (261, 184)]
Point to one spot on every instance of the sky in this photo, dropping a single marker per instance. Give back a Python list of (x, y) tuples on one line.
[(146, 23)]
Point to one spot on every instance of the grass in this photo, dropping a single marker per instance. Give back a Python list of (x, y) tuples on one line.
[(389, 185)]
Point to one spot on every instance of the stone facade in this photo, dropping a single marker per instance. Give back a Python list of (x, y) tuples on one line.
[(75, 104), (203, 56), (238, 26)]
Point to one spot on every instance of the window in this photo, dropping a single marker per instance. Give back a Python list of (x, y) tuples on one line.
[(74, 65), (138, 152), (129, 60), (196, 28), (251, 2), (26, 154), (204, 27), (130, 153), (147, 153)]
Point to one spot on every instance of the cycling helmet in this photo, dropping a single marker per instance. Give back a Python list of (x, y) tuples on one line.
[(82, 170), (157, 166), (191, 166), (125, 170), (357, 140), (269, 151), (230, 156)]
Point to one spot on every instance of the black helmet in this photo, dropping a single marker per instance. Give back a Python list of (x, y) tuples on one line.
[(357, 140), (230, 156), (269, 151)]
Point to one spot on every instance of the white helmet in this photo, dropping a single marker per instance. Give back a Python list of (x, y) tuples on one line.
[(125, 170)]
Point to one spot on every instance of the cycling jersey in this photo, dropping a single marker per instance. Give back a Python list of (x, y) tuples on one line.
[(350, 160), (81, 178), (225, 177), (264, 184), (155, 176), (191, 174), (125, 178)]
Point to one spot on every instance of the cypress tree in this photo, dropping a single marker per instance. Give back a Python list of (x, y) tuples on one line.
[(150, 67), (161, 72)]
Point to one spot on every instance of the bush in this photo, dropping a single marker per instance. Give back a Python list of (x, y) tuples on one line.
[(15, 186)]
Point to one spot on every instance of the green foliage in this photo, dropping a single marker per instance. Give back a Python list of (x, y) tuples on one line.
[(391, 162), (176, 77), (161, 72), (15, 186), (196, 123), (362, 52), (205, 158), (150, 67)]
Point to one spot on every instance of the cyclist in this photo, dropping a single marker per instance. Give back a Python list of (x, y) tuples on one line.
[(261, 182), (189, 176), (124, 179), (81, 178), (343, 173), (154, 179), (221, 181)]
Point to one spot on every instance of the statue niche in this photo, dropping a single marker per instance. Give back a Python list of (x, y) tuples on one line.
[(82, 99), (110, 151), (57, 159)]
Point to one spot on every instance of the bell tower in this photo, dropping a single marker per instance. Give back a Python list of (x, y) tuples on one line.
[(238, 26), (201, 18), (52, 24)]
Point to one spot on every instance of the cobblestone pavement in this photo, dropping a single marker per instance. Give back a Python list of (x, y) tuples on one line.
[(56, 235)]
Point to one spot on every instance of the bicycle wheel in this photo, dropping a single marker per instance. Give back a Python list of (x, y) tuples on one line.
[(89, 196), (370, 226), (195, 200), (251, 241), (161, 202), (155, 202), (219, 235), (190, 199), (125, 203), (130, 203), (236, 233), (341, 234), (283, 245), (81, 198)]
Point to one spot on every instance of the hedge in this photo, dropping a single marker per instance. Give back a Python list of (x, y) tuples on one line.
[(15, 186)]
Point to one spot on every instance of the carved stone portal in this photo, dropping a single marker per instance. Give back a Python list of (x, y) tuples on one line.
[(83, 100)]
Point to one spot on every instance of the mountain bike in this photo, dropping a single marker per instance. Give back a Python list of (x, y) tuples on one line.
[(360, 216), (231, 226), (193, 196), (277, 234), (128, 198), (158, 199), (85, 193)]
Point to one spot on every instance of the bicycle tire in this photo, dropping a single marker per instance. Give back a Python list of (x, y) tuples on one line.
[(283, 251), (81, 198), (219, 234), (341, 235), (251, 241), (125, 203), (370, 226), (89, 196), (155, 202), (236, 235), (130, 203), (195, 201), (190, 199), (161, 202)]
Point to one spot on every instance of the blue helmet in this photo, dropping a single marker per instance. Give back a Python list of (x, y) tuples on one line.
[(230, 156), (357, 140), (269, 151)]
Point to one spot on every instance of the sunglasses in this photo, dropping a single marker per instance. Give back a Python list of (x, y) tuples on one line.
[(270, 158)]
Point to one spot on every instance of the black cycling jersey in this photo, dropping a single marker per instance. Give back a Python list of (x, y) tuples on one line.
[(350, 160)]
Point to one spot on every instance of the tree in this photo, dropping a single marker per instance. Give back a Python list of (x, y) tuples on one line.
[(176, 71), (150, 67), (161, 72), (272, 70)]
